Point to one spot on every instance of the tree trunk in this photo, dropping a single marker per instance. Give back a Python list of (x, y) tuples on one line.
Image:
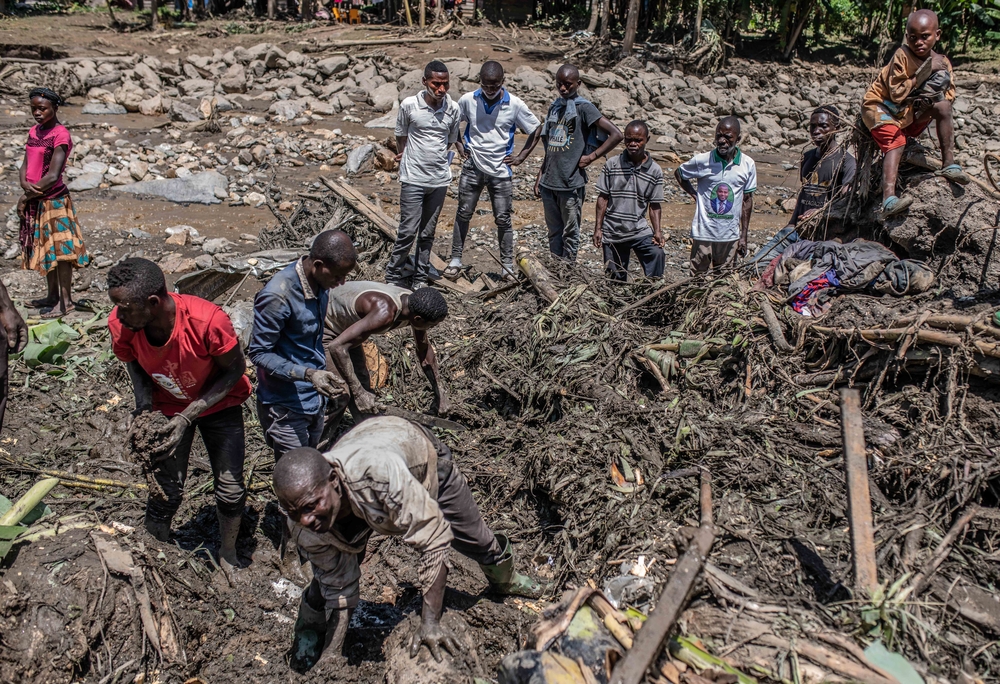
[(631, 25), (697, 22), (595, 8), (423, 13), (606, 20), (154, 11), (797, 31), (272, 9)]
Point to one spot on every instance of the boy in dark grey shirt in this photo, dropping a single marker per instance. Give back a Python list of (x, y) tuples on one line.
[(630, 184), (570, 134)]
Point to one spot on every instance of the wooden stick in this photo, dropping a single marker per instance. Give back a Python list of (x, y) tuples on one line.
[(921, 579), (826, 658), (859, 507), (650, 297), (929, 336), (632, 668), (773, 325), (31, 498)]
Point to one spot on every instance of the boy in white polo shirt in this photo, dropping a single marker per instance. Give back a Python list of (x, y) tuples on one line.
[(491, 116), (426, 125), (727, 179)]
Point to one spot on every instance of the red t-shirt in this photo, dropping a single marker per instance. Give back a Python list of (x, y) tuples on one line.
[(182, 368), (38, 152)]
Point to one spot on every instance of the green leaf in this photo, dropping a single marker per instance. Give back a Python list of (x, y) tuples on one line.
[(895, 664)]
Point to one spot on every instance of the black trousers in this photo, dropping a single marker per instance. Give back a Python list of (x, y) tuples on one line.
[(617, 254), (223, 435)]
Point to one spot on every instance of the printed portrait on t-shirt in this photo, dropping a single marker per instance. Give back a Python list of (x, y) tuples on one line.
[(721, 202)]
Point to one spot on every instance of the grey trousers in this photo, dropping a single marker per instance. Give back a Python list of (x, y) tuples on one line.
[(470, 188), (562, 217), (419, 209), (285, 429), (223, 435)]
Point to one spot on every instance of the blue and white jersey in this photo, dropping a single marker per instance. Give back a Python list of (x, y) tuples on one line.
[(489, 130)]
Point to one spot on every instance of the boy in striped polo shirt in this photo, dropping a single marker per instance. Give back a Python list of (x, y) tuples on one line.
[(630, 185)]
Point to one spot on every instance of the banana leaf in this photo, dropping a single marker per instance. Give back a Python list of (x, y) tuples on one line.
[(48, 343)]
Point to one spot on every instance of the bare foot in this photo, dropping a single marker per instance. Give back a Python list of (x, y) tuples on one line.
[(42, 303)]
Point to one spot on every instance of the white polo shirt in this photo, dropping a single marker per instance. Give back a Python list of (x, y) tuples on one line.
[(489, 130), (429, 132), (717, 218)]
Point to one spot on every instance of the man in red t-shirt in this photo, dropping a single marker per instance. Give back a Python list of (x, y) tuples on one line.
[(186, 362)]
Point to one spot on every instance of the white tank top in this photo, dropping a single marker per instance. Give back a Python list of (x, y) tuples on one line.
[(341, 312)]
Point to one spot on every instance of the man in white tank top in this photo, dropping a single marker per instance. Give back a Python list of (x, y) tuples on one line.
[(356, 311)]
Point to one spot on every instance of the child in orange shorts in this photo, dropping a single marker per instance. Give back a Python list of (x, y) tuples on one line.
[(915, 88)]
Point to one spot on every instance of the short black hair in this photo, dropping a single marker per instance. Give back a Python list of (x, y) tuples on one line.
[(334, 247), (140, 278), (50, 95), (831, 110), (491, 69), (435, 67), (569, 70), (639, 123), (731, 121), (299, 468), (428, 304)]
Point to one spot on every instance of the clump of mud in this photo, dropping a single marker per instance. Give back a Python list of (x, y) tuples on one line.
[(146, 448)]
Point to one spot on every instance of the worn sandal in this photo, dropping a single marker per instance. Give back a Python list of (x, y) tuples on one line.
[(452, 272), (895, 205), (955, 174)]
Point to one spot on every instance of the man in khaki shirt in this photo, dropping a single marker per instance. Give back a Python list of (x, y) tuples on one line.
[(390, 476)]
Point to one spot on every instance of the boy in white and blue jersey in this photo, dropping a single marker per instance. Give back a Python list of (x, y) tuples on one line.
[(489, 118)]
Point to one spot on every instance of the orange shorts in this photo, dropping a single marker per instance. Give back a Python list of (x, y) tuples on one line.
[(890, 137)]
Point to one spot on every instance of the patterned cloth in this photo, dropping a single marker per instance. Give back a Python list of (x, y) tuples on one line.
[(49, 234)]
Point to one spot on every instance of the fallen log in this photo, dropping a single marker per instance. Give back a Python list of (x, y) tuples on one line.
[(773, 325), (859, 505), (539, 276), (954, 323), (928, 336)]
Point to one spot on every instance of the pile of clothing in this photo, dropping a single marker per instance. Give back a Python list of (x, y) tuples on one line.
[(815, 271)]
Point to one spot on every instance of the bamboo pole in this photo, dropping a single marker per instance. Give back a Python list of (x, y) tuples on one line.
[(31, 499), (423, 13), (406, 6)]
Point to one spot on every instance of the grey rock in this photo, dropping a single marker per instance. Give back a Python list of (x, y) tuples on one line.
[(204, 261), (383, 98), (288, 109), (612, 101), (139, 234), (360, 159), (85, 181), (196, 87), (199, 188), (385, 121), (708, 94), (102, 108), (333, 65), (183, 112), (217, 246), (689, 96)]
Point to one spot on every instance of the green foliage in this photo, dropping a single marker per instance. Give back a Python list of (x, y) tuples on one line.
[(48, 343)]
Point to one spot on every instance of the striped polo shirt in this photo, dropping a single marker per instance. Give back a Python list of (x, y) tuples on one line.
[(630, 190)]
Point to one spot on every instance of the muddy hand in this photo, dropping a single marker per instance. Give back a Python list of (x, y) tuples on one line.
[(327, 384), (435, 638), (170, 436), (366, 401)]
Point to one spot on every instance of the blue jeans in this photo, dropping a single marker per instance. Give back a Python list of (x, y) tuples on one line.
[(562, 217), (419, 209), (616, 257), (470, 188)]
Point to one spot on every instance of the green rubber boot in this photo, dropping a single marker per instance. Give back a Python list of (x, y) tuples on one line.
[(504, 579), (310, 635)]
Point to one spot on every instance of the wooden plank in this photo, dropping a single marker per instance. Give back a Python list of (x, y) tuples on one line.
[(859, 505), (386, 226)]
